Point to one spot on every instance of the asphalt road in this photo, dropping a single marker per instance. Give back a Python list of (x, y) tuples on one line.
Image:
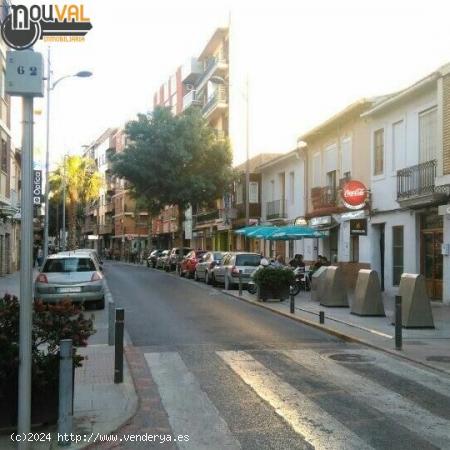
[(232, 375)]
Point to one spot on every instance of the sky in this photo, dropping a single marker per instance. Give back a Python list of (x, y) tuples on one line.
[(305, 60)]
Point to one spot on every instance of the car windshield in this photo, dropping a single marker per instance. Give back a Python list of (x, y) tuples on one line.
[(69, 265), (248, 260), (185, 251), (218, 256)]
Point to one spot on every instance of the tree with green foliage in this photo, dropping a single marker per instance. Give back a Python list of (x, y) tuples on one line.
[(83, 183), (174, 160)]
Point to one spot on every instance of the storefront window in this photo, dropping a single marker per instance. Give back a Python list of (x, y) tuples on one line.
[(397, 254)]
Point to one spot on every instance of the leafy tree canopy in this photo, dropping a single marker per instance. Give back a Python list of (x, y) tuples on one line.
[(174, 160)]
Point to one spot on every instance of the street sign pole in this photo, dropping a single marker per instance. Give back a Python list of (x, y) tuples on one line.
[(24, 78), (26, 274)]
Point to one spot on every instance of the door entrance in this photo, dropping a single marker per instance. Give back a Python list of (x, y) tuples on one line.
[(432, 262)]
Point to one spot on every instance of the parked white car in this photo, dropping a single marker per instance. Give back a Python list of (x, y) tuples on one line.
[(204, 268)]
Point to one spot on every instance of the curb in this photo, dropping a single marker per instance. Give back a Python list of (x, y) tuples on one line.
[(338, 334)]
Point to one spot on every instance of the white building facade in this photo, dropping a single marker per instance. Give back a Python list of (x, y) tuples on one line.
[(283, 200), (406, 227)]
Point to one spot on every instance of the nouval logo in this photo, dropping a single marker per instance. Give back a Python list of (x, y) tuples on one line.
[(24, 25)]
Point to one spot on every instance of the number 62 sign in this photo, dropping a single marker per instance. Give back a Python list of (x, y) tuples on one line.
[(24, 73)]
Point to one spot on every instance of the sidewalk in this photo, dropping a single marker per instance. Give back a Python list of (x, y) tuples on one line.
[(100, 405), (430, 347)]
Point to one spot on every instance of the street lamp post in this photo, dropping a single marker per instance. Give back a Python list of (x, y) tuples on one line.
[(50, 87)]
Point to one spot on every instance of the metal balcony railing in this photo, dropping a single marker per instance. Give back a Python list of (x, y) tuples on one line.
[(276, 209), (218, 97), (323, 197), (206, 216), (417, 180), (191, 99)]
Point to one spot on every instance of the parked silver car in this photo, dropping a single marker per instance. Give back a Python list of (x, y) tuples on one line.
[(204, 268), (161, 260), (70, 275), (233, 262)]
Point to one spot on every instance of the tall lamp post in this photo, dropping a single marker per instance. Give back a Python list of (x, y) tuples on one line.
[(245, 95), (50, 86)]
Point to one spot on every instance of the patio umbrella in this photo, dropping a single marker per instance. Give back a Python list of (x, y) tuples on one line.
[(294, 232)]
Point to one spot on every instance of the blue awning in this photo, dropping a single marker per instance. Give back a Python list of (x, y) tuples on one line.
[(283, 233)]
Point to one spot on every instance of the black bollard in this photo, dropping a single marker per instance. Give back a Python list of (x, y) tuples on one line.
[(118, 341), (292, 300), (321, 316), (398, 322), (240, 283)]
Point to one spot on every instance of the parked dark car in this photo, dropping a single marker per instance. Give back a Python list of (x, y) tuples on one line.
[(189, 263), (161, 260), (175, 257), (154, 255), (204, 268)]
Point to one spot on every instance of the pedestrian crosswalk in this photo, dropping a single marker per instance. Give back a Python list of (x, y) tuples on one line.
[(359, 401)]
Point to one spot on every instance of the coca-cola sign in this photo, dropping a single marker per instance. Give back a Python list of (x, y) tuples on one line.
[(354, 194)]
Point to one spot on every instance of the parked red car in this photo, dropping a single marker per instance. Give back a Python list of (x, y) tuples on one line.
[(189, 263)]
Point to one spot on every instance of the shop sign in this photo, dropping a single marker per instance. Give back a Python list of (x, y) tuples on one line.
[(320, 221), (358, 227), (354, 194), (353, 215), (300, 221), (37, 187)]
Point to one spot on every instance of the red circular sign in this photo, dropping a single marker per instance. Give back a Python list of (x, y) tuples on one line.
[(354, 194)]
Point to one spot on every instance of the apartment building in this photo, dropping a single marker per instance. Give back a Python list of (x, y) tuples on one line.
[(410, 183), (131, 226), (336, 152)]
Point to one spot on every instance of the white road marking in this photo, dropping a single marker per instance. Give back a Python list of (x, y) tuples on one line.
[(189, 409), (401, 410), (317, 427)]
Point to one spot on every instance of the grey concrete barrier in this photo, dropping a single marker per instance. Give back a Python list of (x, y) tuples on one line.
[(335, 290), (416, 308), (317, 283), (367, 300)]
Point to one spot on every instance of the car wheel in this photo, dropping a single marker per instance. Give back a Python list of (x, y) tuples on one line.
[(101, 303), (166, 268), (148, 264), (154, 265), (208, 279), (180, 271), (196, 278)]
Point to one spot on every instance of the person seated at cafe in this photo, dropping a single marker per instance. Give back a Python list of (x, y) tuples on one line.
[(279, 261), (297, 261)]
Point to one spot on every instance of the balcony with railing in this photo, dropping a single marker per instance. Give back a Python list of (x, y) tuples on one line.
[(324, 197), (216, 103), (191, 70), (191, 99), (416, 185), (276, 209), (106, 228), (214, 65), (205, 217)]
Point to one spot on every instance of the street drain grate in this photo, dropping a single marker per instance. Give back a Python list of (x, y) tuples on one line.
[(351, 357), (437, 358)]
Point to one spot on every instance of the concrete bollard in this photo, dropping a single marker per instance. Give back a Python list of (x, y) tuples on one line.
[(398, 322), (416, 308), (335, 291), (118, 351), (318, 283), (367, 300), (65, 410)]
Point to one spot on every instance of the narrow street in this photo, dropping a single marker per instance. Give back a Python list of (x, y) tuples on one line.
[(231, 375)]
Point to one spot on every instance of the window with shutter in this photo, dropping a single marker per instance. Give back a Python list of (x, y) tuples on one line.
[(398, 146), (316, 170), (346, 156), (428, 135), (378, 152)]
